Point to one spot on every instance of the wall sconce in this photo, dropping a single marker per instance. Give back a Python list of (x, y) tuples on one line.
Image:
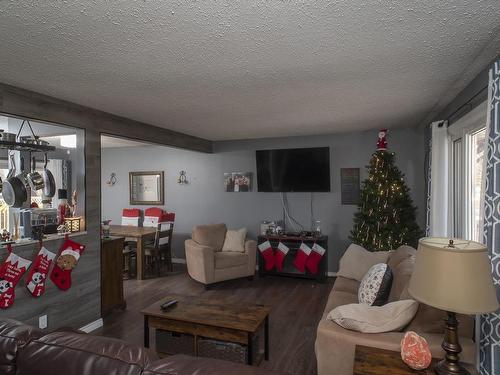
[(112, 180), (182, 180)]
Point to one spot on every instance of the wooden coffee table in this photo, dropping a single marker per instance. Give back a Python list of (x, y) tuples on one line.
[(210, 319)]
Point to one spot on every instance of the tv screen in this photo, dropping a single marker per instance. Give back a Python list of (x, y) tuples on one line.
[(293, 170)]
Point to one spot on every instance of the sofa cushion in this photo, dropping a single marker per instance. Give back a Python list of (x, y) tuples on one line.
[(235, 240), (14, 335), (356, 261), (400, 254), (343, 284), (401, 278), (76, 353), (228, 259), (375, 319), (185, 365), (211, 235), (375, 287), (338, 299)]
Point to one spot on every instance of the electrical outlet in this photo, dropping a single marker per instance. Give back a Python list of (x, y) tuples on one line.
[(42, 321)]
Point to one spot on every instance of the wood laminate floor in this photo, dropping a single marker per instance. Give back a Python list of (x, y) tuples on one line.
[(297, 306)]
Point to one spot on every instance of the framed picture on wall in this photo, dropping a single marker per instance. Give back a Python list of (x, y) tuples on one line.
[(146, 188), (349, 185), (238, 182)]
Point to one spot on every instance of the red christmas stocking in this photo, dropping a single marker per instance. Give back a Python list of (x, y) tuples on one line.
[(69, 253), (266, 251), (11, 271), (279, 255), (314, 259), (35, 281), (300, 259)]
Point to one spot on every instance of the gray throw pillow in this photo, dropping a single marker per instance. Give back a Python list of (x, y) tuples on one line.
[(376, 285)]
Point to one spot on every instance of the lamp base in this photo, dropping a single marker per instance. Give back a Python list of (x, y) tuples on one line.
[(446, 368), (450, 364)]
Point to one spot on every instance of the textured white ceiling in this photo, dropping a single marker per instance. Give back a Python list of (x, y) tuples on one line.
[(247, 69)]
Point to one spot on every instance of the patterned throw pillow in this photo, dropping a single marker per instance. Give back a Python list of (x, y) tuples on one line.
[(376, 285)]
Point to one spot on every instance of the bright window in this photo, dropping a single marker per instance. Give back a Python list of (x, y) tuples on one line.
[(467, 159)]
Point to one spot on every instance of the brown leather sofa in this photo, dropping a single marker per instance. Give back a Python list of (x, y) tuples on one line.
[(25, 350)]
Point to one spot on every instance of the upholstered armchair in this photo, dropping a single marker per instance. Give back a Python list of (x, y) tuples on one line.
[(208, 264)]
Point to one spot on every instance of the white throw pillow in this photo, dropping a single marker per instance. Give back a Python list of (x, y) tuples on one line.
[(393, 316), (356, 261), (376, 285), (235, 240)]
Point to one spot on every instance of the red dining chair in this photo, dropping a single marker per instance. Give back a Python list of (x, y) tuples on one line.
[(152, 216)]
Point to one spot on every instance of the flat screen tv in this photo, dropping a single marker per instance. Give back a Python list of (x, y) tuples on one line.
[(293, 170)]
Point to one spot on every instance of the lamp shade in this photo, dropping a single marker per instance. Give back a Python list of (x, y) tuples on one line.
[(453, 277)]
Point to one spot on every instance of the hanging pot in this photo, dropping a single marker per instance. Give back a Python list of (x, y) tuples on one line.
[(49, 189), (7, 137), (35, 179), (14, 191)]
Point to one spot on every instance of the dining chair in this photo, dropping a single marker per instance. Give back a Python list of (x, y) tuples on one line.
[(130, 217), (159, 253)]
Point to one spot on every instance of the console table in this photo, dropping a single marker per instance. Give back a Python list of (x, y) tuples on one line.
[(293, 243)]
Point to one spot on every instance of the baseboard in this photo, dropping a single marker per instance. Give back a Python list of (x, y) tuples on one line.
[(183, 261), (92, 326), (179, 260)]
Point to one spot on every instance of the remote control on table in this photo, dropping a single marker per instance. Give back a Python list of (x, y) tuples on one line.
[(168, 304)]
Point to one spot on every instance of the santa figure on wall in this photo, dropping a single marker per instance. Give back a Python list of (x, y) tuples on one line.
[(382, 140)]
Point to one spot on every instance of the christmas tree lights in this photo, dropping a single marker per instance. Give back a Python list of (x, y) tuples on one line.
[(386, 216)]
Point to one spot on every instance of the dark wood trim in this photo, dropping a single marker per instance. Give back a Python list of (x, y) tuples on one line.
[(24, 103)]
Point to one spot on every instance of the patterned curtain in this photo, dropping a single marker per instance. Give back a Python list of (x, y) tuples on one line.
[(489, 350)]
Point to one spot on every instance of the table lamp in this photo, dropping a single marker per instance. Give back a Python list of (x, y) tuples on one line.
[(455, 276)]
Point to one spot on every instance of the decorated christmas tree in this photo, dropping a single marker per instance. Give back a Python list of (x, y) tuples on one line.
[(386, 216)]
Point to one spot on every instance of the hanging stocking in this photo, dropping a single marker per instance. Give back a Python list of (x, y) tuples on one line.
[(67, 259), (35, 281), (266, 251), (11, 271), (314, 258), (279, 255), (300, 259)]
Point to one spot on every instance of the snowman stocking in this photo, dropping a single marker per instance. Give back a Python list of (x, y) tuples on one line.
[(301, 258), (266, 251), (11, 271), (35, 281), (279, 255), (314, 258), (67, 259)]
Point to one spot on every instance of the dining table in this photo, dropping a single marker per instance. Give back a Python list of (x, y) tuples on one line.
[(140, 235)]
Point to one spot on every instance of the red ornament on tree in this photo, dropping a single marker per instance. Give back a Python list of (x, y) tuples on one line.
[(382, 140)]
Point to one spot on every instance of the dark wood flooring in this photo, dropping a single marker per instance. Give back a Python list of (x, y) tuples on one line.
[(297, 306)]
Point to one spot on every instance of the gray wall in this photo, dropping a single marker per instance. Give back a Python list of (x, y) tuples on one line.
[(203, 200)]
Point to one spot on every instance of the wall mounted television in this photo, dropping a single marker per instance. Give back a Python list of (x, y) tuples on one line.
[(293, 170)]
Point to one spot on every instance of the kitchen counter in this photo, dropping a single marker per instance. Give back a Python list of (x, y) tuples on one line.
[(48, 237)]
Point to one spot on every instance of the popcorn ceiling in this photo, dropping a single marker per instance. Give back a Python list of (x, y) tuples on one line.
[(248, 69)]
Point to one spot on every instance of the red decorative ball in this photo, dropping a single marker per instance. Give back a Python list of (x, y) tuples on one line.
[(415, 351)]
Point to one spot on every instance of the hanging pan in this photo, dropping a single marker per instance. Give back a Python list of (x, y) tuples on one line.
[(14, 191), (49, 189), (35, 179)]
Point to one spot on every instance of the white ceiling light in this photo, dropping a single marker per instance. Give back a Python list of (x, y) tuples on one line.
[(68, 141)]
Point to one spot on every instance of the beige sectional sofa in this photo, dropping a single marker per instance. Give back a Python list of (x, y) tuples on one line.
[(335, 346)]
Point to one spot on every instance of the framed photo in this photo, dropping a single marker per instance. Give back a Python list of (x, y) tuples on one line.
[(350, 189), (146, 188), (238, 182)]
